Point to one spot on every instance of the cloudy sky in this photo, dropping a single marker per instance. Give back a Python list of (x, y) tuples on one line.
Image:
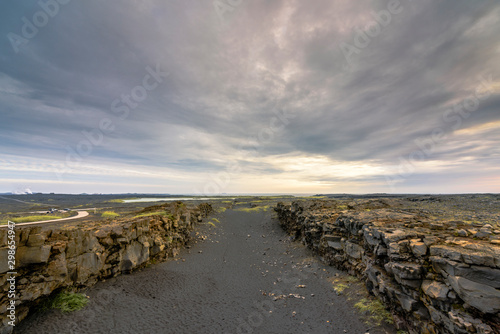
[(250, 96)]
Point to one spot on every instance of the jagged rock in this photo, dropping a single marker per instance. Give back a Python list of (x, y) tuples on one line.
[(446, 267), (446, 251), (370, 237), (353, 250), (482, 254), (380, 250), (483, 275), (333, 241), (435, 290), (393, 251), (88, 264), (35, 240), (58, 267), (418, 248), (410, 271), (398, 235), (481, 296), (431, 240), (134, 255), (68, 256), (32, 255), (407, 303)]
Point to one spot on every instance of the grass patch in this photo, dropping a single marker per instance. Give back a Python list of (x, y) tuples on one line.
[(109, 214), (66, 302), (213, 221), (29, 219), (375, 311), (221, 209), (156, 213)]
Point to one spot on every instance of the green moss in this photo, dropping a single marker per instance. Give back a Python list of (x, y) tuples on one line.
[(109, 214), (339, 288), (375, 311), (29, 219), (155, 213)]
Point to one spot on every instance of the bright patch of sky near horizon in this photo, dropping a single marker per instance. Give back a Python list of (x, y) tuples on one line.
[(267, 97)]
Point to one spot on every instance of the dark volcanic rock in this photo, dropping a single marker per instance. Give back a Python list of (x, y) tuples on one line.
[(79, 256), (436, 276)]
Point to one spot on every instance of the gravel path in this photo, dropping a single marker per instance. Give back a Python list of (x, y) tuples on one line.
[(246, 277)]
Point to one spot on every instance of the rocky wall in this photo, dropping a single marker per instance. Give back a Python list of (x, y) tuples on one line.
[(432, 280), (77, 256)]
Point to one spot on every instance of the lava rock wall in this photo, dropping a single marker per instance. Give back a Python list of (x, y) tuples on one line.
[(49, 259), (433, 281)]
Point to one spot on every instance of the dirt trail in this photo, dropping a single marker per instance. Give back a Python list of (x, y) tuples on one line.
[(225, 284)]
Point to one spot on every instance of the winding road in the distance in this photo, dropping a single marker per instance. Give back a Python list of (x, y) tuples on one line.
[(81, 214)]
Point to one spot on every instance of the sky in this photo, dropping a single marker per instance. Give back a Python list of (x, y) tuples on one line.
[(240, 96)]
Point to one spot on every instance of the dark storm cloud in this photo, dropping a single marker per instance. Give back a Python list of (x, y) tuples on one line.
[(228, 80)]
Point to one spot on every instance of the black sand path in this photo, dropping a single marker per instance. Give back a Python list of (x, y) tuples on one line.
[(225, 284)]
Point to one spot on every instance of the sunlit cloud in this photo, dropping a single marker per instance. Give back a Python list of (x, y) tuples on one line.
[(267, 98)]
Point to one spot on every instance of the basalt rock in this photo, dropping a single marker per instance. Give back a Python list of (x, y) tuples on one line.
[(433, 279), (78, 256)]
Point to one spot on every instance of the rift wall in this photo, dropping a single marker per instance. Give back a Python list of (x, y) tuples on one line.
[(48, 259), (432, 281)]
